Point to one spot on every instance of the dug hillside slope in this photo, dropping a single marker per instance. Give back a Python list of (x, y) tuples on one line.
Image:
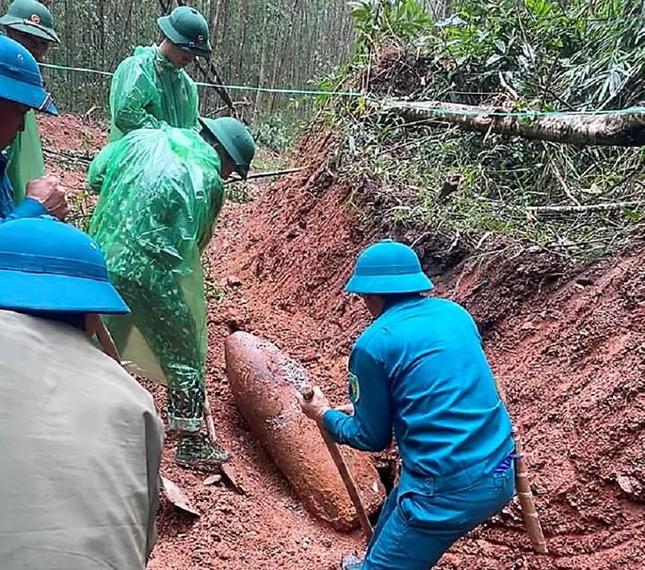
[(568, 349)]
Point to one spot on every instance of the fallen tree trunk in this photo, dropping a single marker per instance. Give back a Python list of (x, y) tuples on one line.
[(624, 129)]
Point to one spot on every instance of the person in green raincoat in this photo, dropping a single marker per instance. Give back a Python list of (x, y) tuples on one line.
[(29, 23), (151, 87), (160, 191)]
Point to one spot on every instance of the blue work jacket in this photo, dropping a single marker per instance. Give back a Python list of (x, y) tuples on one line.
[(28, 208), (419, 370)]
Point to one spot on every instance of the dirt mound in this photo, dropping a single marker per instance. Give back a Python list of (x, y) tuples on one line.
[(573, 366)]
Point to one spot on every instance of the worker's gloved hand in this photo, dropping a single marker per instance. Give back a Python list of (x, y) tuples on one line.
[(49, 191), (316, 407)]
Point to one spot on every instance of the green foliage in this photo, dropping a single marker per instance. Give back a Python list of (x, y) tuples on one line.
[(580, 53), (495, 181), (612, 64), (81, 205), (273, 132), (214, 292), (541, 55), (279, 130), (376, 20), (241, 193)]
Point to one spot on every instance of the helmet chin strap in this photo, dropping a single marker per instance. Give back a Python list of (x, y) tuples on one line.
[(46, 103)]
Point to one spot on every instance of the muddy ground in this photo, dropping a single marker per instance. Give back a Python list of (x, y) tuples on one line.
[(566, 342)]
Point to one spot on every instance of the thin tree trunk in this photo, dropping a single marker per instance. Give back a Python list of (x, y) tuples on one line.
[(258, 93), (102, 33), (280, 58), (216, 17), (243, 22), (70, 45)]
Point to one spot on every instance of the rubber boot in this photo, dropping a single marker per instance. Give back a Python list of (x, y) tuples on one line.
[(194, 451), (351, 562)]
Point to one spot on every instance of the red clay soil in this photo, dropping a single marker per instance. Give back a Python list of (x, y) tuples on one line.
[(75, 140), (570, 354)]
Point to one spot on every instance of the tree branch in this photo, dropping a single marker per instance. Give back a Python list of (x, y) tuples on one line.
[(536, 210)]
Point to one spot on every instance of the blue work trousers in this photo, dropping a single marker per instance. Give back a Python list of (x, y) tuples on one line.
[(416, 528)]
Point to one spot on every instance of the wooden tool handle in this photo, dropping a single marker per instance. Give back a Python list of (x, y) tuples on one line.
[(307, 392), (94, 326)]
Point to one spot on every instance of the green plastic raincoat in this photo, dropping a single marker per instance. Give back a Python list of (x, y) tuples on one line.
[(148, 91), (25, 157), (160, 193)]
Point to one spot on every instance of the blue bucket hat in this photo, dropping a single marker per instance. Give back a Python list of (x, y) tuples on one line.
[(388, 268), (46, 265), (20, 78)]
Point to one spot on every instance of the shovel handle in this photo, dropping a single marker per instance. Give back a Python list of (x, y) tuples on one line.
[(307, 392)]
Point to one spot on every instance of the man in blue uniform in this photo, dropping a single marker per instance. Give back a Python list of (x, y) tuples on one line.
[(21, 89), (419, 371)]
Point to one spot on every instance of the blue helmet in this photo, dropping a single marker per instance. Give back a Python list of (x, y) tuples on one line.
[(20, 79), (46, 265), (388, 268)]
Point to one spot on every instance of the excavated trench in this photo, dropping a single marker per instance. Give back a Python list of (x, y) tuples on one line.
[(567, 344)]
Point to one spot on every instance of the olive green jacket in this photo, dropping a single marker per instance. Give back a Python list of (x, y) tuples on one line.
[(26, 162)]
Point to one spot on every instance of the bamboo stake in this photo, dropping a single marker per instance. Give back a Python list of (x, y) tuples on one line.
[(527, 502), (208, 416)]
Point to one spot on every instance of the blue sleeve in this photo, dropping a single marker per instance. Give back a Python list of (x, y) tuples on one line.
[(28, 208), (370, 428)]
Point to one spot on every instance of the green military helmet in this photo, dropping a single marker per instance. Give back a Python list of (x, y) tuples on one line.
[(31, 17), (236, 139), (187, 28)]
